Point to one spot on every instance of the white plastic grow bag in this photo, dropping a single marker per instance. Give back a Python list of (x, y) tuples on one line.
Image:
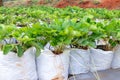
[(9, 41), (79, 61), (50, 65), (101, 42), (13, 67), (100, 60), (116, 58)]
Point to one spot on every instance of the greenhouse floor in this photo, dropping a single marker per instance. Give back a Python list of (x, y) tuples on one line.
[(103, 75)]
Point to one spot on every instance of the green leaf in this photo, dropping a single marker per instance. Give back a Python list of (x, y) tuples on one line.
[(93, 27), (112, 43), (38, 47), (20, 51), (37, 51), (7, 49)]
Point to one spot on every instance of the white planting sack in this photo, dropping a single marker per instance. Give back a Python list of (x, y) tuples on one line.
[(50, 65), (116, 58), (100, 60), (8, 41), (48, 47), (79, 61), (13, 67)]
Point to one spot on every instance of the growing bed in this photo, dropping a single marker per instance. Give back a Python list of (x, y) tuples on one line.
[(90, 33)]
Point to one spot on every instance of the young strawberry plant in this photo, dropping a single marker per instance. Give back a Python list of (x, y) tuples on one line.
[(61, 35), (26, 37), (85, 29)]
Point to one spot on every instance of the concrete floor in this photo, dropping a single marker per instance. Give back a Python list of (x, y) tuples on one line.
[(104, 75)]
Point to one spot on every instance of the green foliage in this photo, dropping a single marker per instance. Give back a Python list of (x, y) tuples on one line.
[(7, 48), (60, 27), (19, 50)]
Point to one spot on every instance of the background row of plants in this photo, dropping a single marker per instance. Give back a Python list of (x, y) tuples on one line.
[(26, 15), (71, 26)]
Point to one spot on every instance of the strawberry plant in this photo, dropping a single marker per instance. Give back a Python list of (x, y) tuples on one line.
[(89, 31), (59, 34), (26, 37)]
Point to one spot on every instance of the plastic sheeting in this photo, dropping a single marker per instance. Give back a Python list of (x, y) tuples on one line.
[(104, 75)]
